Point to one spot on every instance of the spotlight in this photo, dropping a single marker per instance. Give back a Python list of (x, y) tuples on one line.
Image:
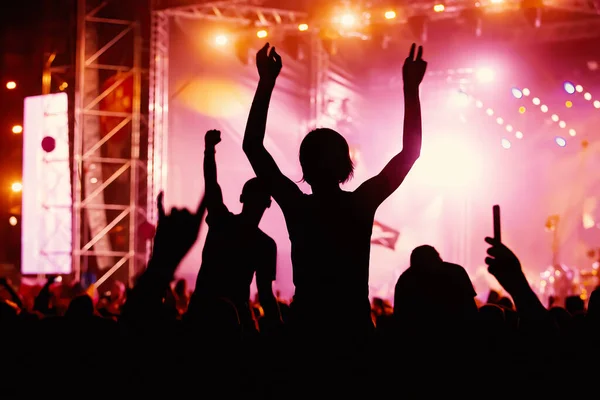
[(568, 104), (221, 40), (439, 8), (390, 14), (17, 129), (16, 187), (489, 112), (569, 87), (522, 110), (516, 92), (560, 141), (485, 75), (348, 20), (562, 124), (526, 92), (579, 88), (572, 132), (519, 135), (13, 221), (506, 144), (536, 101), (587, 96), (544, 108), (11, 85), (262, 34), (597, 103), (303, 27), (554, 117), (499, 120)]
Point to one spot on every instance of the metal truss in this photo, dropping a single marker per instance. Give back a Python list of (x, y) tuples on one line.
[(158, 110), (90, 208), (239, 12)]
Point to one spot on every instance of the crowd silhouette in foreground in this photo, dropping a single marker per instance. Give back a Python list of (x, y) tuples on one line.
[(154, 339)]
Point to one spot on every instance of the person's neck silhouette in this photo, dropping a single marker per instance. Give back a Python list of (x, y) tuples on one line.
[(235, 248), (330, 230)]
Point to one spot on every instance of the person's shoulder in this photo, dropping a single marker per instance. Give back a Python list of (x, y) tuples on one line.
[(266, 239)]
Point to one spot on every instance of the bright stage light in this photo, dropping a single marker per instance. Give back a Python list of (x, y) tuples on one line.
[(572, 132), (16, 187), (348, 20), (262, 34), (544, 108), (390, 14), (526, 92), (506, 144), (536, 101), (519, 135), (554, 117), (499, 120), (13, 221), (17, 129), (478, 104), (11, 85), (579, 88), (562, 124), (439, 8), (448, 162), (221, 40), (560, 141), (568, 104), (489, 112), (569, 87), (485, 75), (516, 92), (587, 96), (509, 128), (303, 27), (522, 110), (597, 103)]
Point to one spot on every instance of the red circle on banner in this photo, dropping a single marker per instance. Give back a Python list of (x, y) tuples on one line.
[(48, 144)]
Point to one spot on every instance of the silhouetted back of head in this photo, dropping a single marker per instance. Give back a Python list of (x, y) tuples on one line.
[(425, 256), (325, 158), (256, 194), (80, 307)]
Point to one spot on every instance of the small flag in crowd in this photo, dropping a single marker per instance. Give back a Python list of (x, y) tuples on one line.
[(384, 236)]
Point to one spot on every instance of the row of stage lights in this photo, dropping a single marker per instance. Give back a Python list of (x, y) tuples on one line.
[(346, 20), (571, 89)]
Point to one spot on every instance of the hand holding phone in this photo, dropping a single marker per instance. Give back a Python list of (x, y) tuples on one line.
[(497, 230)]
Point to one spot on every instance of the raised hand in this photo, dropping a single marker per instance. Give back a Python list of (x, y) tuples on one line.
[(212, 138), (504, 265), (268, 63), (414, 68), (176, 232)]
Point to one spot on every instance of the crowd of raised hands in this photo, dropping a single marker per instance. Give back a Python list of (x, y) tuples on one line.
[(331, 340)]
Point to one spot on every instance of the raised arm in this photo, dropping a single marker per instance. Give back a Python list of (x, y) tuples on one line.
[(269, 65), (213, 196), (381, 186)]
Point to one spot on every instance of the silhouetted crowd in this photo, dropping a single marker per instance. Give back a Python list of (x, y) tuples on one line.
[(330, 341)]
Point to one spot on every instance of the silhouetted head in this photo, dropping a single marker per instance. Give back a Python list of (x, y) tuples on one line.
[(425, 256), (256, 195), (325, 158), (80, 307)]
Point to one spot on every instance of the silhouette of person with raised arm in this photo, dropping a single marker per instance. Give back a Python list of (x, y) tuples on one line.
[(330, 230), (235, 247)]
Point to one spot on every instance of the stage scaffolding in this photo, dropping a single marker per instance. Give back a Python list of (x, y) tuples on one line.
[(91, 224), (233, 12)]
